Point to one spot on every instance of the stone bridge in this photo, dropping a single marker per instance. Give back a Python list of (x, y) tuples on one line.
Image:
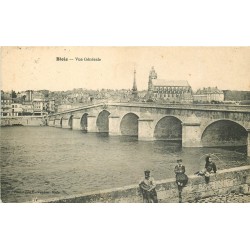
[(195, 125)]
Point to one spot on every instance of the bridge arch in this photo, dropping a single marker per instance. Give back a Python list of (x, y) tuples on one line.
[(129, 124), (168, 128), (102, 121), (84, 122), (223, 133)]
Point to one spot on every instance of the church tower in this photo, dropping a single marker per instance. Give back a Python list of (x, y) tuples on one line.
[(152, 75)]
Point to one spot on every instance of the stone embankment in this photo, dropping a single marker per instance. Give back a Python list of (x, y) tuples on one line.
[(226, 186), (22, 121)]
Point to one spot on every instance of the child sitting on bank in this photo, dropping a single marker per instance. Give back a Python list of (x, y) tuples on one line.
[(209, 167)]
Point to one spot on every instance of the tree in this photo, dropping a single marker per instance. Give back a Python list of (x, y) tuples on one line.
[(13, 94)]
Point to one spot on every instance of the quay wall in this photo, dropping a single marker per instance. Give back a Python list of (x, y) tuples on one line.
[(226, 181), (22, 121)]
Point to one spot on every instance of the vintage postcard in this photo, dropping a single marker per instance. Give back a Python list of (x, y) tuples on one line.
[(125, 124)]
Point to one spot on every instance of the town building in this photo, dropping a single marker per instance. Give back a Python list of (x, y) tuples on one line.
[(51, 106), (22, 95), (17, 109), (208, 95), (199, 98), (6, 106), (168, 91), (29, 95), (28, 108), (39, 107), (26, 103), (37, 95)]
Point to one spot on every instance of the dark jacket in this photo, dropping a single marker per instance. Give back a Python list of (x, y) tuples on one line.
[(181, 177), (179, 169), (210, 166)]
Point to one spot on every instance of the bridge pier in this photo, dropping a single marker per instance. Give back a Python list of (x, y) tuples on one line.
[(191, 135), (114, 125), (51, 123), (57, 123), (76, 123), (92, 128), (65, 123), (145, 129), (248, 142)]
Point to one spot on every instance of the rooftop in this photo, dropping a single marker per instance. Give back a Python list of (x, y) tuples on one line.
[(170, 83), (209, 90)]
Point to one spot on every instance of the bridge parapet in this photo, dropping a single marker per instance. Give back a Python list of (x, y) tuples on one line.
[(201, 107), (240, 108)]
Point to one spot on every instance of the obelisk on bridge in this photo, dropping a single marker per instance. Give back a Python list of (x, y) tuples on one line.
[(134, 89)]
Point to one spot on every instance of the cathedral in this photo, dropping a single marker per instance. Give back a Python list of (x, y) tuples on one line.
[(168, 91)]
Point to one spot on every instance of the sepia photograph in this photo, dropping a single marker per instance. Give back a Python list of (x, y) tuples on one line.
[(107, 106), (139, 124)]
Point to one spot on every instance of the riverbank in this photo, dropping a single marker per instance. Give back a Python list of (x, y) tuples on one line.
[(228, 198), (228, 184), (7, 121)]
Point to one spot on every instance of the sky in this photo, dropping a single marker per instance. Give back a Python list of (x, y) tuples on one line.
[(36, 68)]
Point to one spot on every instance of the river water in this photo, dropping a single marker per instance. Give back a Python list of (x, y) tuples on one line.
[(47, 162)]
